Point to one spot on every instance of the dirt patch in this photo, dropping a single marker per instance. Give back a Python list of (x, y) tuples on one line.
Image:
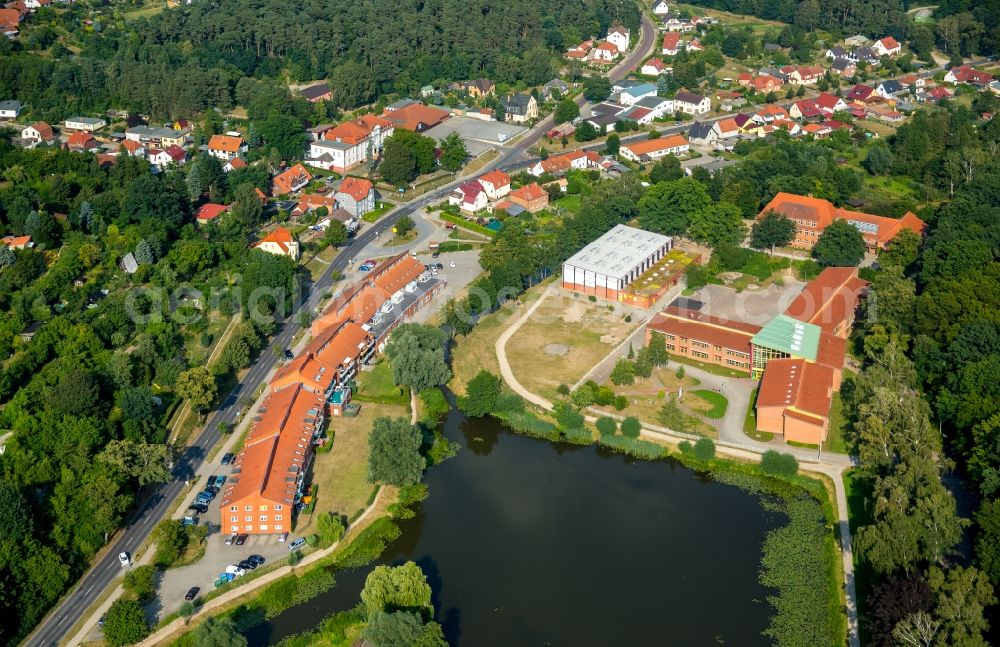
[(575, 312), (557, 349)]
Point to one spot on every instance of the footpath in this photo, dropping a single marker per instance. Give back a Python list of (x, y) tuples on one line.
[(830, 465)]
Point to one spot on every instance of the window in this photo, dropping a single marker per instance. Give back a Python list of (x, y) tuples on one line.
[(278, 526), (277, 506), (263, 508), (248, 518), (248, 508), (232, 508), (277, 517), (234, 518), (234, 528), (263, 526), (249, 528), (263, 517)]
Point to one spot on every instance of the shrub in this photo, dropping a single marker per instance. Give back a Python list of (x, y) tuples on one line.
[(125, 623), (330, 527), (562, 389), (623, 372), (607, 426), (584, 396), (139, 582), (633, 447), (620, 402), (509, 402), (631, 427), (604, 396), (704, 449), (566, 416), (592, 298), (779, 464)]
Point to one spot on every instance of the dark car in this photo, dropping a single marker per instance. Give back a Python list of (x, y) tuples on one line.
[(247, 565), (440, 266), (198, 507), (242, 539), (214, 489), (227, 458), (192, 593), (435, 254), (256, 559), (288, 354)]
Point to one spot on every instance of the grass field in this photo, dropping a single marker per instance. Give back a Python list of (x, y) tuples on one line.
[(716, 403), (342, 473), (476, 350), (377, 386), (714, 369), (562, 340), (648, 395), (144, 12)]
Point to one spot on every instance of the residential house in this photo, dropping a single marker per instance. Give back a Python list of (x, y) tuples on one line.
[(673, 23), (604, 122), (469, 197), (309, 202), (530, 196), (765, 83), (17, 242), (658, 106), (520, 108), (580, 52), (937, 94), (317, 92), (619, 37), (702, 133), (726, 128), (496, 183), (857, 40), (868, 55), (427, 91), (805, 109), (789, 126), (156, 136), (350, 143), (641, 116), (887, 46), (861, 93), (209, 212), (605, 52), (830, 103), (233, 164), (554, 86), (805, 75), (661, 8), (38, 133), (631, 96), (653, 67), (478, 87), (84, 124), (290, 180), (671, 43), (890, 89), (818, 131), (227, 147), (356, 196), (914, 81), (843, 67), (694, 46), (10, 19), (769, 113), (837, 52), (164, 158), (82, 141), (969, 75), (692, 104), (279, 242), (653, 149), (10, 109), (415, 116)]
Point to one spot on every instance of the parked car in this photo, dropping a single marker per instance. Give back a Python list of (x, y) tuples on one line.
[(256, 559), (435, 254), (439, 266), (214, 489), (200, 508), (208, 493), (189, 521), (227, 458), (297, 544), (230, 539), (242, 539), (247, 565), (283, 537), (124, 559), (451, 264), (288, 354), (192, 593), (216, 482), (365, 267)]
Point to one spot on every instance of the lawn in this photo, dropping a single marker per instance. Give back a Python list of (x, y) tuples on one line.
[(562, 340), (341, 474), (316, 267), (858, 490), (376, 386), (476, 351), (144, 12), (716, 403), (714, 369), (647, 396), (839, 427), (402, 239), (379, 211)]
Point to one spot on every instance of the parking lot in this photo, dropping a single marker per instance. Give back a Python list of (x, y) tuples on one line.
[(753, 306), (478, 135)]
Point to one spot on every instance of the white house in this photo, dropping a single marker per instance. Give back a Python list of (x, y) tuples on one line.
[(227, 147), (661, 8), (887, 46), (469, 197), (653, 67), (630, 96), (619, 37), (652, 149), (10, 109), (604, 52), (671, 43), (658, 106), (496, 183), (691, 104), (84, 124), (37, 132), (678, 24), (279, 242)]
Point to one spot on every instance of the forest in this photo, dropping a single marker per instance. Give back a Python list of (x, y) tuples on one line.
[(85, 401), (961, 27), (184, 61)]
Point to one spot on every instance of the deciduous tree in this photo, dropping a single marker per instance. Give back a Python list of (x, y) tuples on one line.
[(394, 456)]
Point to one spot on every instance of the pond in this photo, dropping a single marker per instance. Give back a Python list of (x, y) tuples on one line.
[(526, 542)]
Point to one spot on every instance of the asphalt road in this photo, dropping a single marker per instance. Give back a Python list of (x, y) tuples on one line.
[(102, 574)]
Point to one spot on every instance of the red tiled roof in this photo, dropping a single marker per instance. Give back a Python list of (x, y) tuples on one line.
[(529, 192), (225, 143), (280, 236), (356, 187), (81, 140), (496, 177), (652, 145), (796, 384), (44, 130), (210, 211), (412, 116), (289, 178), (830, 299), (670, 40), (733, 335)]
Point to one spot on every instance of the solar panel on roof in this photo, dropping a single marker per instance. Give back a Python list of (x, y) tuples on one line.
[(864, 227)]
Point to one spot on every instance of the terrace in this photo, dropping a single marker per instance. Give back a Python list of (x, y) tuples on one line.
[(654, 282)]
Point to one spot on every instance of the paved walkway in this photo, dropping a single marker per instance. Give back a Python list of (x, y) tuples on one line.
[(746, 448)]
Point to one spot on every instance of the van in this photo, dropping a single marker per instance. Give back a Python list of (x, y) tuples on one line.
[(297, 544)]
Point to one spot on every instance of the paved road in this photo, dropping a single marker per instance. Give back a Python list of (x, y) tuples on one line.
[(89, 588)]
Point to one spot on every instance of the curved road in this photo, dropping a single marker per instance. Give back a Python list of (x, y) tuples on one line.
[(53, 628)]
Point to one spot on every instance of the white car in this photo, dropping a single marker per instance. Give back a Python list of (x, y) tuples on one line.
[(451, 264), (124, 559)]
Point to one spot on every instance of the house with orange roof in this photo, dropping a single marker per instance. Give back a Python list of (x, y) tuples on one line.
[(769, 113), (812, 215), (38, 133), (350, 143), (604, 52), (309, 202), (887, 46), (581, 51), (356, 196), (388, 295), (82, 141), (17, 242), (209, 212), (279, 242), (764, 83), (329, 362), (653, 67), (415, 117), (233, 164), (227, 147), (653, 149), (818, 131), (805, 75), (496, 183), (133, 148), (290, 180), (530, 196), (794, 400), (269, 473), (671, 44)]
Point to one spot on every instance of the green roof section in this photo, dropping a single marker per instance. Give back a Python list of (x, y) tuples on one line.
[(790, 336)]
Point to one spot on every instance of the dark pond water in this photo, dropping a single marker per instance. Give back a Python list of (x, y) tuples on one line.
[(529, 543)]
